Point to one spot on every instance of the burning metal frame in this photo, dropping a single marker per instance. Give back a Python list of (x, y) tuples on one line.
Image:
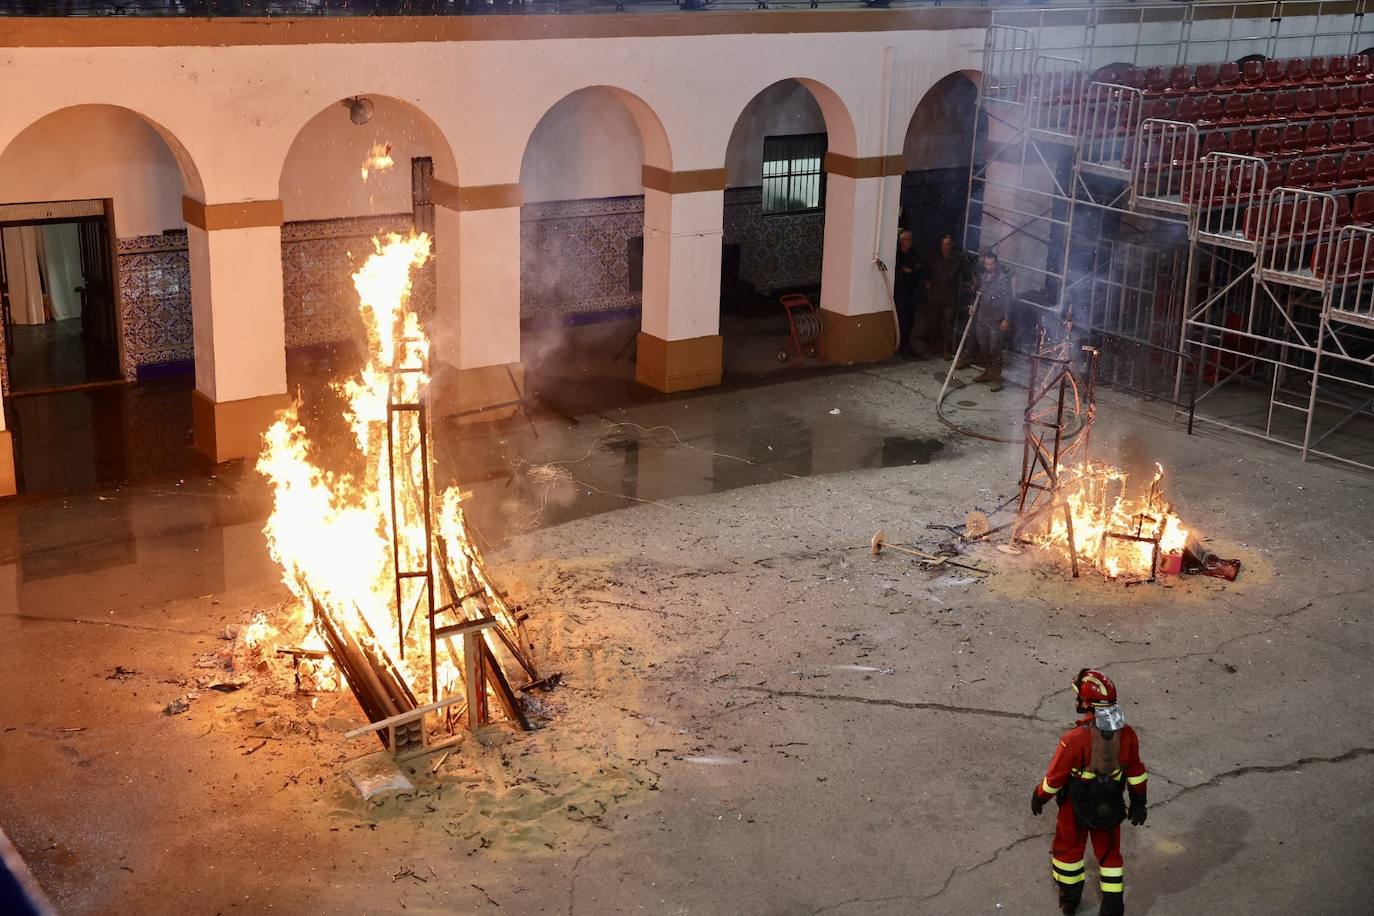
[(1055, 392), (1069, 501)]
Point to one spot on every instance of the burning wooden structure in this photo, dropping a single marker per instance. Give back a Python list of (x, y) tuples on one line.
[(1072, 504), (393, 587)]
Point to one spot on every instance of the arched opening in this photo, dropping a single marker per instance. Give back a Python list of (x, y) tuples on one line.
[(944, 139), (331, 212), (774, 223), (582, 251), (96, 290)]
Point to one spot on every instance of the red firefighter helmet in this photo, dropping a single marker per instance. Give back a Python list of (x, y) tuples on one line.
[(1093, 689)]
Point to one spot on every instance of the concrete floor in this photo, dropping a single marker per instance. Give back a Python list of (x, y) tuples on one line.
[(757, 716)]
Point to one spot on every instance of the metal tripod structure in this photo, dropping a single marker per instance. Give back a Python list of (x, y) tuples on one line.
[(1057, 391)]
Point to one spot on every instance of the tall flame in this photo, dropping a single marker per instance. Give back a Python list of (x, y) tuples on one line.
[(331, 532)]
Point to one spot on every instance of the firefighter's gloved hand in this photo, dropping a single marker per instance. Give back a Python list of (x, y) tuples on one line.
[(1137, 811), (1037, 803)]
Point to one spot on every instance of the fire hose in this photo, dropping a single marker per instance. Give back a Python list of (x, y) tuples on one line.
[(1069, 435), (807, 326)]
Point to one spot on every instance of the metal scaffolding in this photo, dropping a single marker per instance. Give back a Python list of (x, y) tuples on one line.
[(1189, 266)]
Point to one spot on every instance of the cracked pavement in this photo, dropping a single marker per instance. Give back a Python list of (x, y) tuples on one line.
[(830, 732)]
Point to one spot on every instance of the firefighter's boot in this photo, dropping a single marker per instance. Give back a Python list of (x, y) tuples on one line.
[(987, 375), (1113, 904), (1069, 897)]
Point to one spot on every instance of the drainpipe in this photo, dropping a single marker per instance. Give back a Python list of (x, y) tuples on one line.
[(882, 196)]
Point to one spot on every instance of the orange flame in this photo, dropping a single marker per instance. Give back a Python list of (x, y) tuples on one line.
[(379, 160), (331, 532), (1101, 506)]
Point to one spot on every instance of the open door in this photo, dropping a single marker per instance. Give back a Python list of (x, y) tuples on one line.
[(99, 323)]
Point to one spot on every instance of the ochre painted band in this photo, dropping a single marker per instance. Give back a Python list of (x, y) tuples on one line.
[(656, 179), (246, 214), (866, 167), (477, 197), (141, 32)]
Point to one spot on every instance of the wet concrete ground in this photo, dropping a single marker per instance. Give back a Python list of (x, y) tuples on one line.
[(823, 731)]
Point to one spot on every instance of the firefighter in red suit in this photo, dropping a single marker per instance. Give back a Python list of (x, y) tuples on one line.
[(1096, 765)]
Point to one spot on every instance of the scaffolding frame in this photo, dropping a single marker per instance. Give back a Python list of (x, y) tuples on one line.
[(1116, 225)]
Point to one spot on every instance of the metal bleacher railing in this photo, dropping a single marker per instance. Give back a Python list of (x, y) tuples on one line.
[(1202, 190)]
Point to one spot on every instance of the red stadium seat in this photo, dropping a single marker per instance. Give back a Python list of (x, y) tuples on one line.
[(1228, 77), (1285, 105), (1242, 143), (1275, 72), (1348, 261), (1307, 103), (1180, 81), (1367, 97), (1213, 142), (1205, 79), (1297, 70), (1252, 74), (1342, 209), (1359, 67), (1326, 173), (1299, 174), (1317, 137), (1348, 99), (1237, 108), (1340, 68), (1319, 70), (1160, 109), (1342, 134), (1363, 211), (1212, 109), (1293, 139), (1364, 132), (1156, 80), (1352, 170), (1273, 175), (1259, 108), (1189, 109), (1121, 75), (1328, 102), (1267, 142)]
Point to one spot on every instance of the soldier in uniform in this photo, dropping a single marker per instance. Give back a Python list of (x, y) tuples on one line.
[(993, 319), (945, 270)]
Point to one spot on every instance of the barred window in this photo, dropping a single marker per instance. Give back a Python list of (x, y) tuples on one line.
[(794, 173)]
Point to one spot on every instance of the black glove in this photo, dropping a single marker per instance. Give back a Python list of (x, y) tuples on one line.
[(1038, 803), (1137, 811)]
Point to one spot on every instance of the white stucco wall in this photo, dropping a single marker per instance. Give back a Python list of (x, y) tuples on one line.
[(321, 178), (586, 145), (238, 110), (96, 151)]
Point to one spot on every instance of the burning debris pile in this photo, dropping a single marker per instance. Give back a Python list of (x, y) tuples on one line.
[(1087, 511), (1121, 533), (393, 593)]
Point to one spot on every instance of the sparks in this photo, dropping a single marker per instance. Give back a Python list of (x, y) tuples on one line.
[(379, 160)]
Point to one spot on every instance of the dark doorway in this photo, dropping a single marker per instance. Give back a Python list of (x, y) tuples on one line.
[(58, 302)]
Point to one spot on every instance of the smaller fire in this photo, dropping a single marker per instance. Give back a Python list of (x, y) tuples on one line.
[(1115, 530), (379, 160)]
